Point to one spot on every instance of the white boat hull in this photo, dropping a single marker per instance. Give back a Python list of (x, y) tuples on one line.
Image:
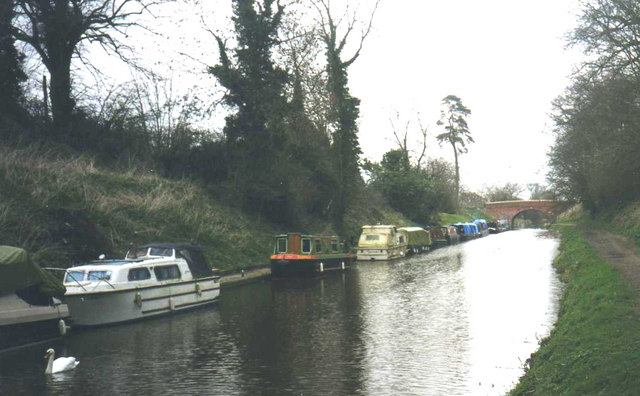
[(379, 254), (105, 307)]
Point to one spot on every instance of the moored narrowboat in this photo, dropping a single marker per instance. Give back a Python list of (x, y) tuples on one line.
[(483, 227), (453, 238), (467, 231), (296, 254), (381, 242), (444, 236), (418, 239)]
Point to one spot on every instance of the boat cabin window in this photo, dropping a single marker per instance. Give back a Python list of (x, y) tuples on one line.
[(400, 238), (306, 245), (74, 276), (161, 252), (99, 275), (318, 246), (138, 274), (134, 254), (281, 245), (334, 245), (167, 272), (373, 237)]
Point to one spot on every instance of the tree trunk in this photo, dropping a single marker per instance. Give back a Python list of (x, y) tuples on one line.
[(455, 154), (60, 92)]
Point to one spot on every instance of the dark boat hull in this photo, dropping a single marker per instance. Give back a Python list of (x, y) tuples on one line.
[(292, 267), (19, 334)]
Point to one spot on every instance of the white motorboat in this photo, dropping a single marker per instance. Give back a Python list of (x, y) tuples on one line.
[(154, 279)]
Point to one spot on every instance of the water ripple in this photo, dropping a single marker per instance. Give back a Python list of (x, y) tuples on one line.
[(460, 320)]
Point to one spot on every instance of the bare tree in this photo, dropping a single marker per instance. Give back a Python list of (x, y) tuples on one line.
[(56, 28), (609, 32), (402, 140), (343, 111)]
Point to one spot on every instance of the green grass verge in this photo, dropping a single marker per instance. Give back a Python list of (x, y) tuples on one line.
[(450, 218), (594, 348)]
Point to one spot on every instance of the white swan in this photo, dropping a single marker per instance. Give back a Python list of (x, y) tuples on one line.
[(60, 364)]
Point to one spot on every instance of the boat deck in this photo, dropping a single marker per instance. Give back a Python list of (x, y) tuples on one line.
[(14, 311)]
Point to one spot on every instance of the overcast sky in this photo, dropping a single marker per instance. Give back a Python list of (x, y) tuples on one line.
[(505, 59)]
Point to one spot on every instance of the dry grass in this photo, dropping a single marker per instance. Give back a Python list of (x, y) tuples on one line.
[(44, 191)]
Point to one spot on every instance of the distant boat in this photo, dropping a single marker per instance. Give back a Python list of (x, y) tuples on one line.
[(381, 242), (467, 231), (296, 254), (156, 279), (418, 239), (444, 236), (30, 309), (483, 227), (498, 226)]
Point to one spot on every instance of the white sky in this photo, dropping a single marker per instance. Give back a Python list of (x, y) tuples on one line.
[(504, 58)]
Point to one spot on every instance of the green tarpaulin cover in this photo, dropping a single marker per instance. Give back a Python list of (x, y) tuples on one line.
[(18, 274)]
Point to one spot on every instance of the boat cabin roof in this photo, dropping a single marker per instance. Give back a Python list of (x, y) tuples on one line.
[(411, 229), (307, 235), (193, 255), (378, 228)]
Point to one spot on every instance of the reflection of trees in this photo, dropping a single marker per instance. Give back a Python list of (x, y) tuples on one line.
[(300, 335)]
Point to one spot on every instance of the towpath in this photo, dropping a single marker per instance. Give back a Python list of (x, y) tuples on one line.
[(237, 278), (621, 254)]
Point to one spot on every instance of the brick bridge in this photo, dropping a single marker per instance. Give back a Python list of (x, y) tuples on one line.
[(509, 210)]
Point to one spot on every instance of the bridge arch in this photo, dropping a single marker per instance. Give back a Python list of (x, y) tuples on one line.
[(525, 212), (509, 210)]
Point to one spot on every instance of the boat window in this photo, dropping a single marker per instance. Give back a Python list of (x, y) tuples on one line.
[(318, 246), (167, 272), (400, 238), (306, 245), (99, 275), (334, 245), (281, 245), (373, 237), (137, 274), (161, 252), (134, 254), (73, 276)]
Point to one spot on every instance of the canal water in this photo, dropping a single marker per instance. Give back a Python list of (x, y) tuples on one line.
[(459, 320)]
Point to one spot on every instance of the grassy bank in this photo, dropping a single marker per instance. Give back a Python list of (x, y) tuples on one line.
[(595, 345), (64, 208)]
